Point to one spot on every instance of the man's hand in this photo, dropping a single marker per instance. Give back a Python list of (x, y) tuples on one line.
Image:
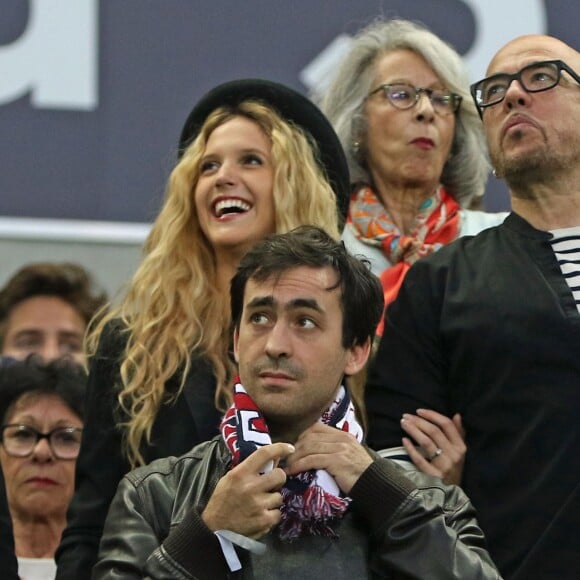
[(246, 502), (338, 452)]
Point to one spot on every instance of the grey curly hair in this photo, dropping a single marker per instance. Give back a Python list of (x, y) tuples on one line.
[(465, 173)]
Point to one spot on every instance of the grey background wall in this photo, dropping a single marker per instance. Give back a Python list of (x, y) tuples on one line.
[(111, 264), (93, 94), (110, 250)]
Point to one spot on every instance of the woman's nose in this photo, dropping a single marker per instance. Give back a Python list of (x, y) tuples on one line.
[(424, 107), (42, 451), (226, 174)]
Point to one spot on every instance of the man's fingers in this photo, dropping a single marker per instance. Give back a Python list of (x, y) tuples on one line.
[(269, 454), (273, 501), (320, 446)]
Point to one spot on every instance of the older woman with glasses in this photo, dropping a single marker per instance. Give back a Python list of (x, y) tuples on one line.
[(400, 104), (41, 407)]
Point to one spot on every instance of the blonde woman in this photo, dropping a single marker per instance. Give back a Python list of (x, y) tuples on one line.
[(255, 158)]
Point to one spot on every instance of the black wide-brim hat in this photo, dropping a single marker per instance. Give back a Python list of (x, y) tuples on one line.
[(291, 106)]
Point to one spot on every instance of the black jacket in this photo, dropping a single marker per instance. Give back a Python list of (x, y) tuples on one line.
[(102, 464), (8, 563), (488, 327), (397, 526)]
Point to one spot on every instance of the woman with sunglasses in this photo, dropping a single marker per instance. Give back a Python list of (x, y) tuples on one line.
[(41, 408), (400, 104)]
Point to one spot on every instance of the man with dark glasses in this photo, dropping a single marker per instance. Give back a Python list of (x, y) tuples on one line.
[(489, 327), (533, 78)]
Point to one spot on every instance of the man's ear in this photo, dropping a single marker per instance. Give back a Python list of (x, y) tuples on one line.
[(357, 357), (236, 338)]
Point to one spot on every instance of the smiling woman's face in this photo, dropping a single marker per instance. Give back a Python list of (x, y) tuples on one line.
[(40, 484), (234, 193)]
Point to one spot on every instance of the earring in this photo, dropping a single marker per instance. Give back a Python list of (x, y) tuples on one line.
[(356, 147)]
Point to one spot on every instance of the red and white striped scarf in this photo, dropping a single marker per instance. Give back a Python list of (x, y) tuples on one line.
[(312, 500)]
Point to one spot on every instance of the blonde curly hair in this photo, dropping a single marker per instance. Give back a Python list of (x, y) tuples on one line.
[(172, 308)]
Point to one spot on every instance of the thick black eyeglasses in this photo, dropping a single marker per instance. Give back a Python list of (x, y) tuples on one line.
[(534, 78), (20, 440), (405, 96)]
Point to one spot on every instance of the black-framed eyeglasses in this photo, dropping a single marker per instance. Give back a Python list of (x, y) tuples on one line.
[(405, 96), (534, 78), (20, 440)]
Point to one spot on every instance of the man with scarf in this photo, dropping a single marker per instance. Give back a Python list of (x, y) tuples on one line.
[(289, 490)]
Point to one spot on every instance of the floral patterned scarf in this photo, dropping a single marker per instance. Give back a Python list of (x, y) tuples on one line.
[(436, 224)]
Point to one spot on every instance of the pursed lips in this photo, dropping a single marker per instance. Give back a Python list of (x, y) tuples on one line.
[(516, 121), (423, 142), (41, 481)]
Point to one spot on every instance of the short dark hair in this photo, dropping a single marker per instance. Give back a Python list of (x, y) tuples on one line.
[(67, 281), (361, 297), (60, 377)]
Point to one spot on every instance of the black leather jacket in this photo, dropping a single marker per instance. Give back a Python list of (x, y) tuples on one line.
[(399, 525)]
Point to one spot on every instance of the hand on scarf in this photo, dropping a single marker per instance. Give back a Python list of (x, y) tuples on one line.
[(432, 431), (246, 502), (328, 448)]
